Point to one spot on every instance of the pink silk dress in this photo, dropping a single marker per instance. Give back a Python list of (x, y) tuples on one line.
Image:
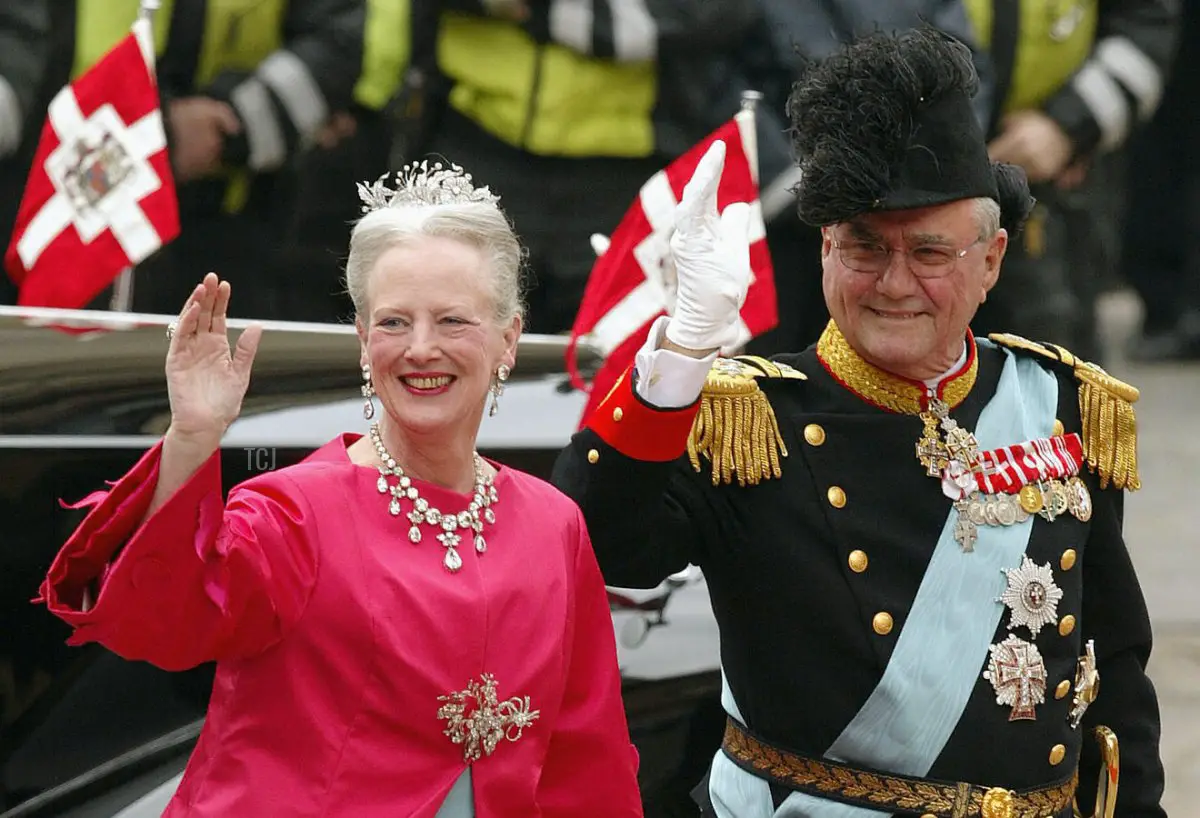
[(336, 638)]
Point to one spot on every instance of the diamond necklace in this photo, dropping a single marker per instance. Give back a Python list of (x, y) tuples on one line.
[(478, 512)]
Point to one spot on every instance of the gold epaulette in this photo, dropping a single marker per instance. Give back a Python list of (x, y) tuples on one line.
[(1106, 408), (736, 428)]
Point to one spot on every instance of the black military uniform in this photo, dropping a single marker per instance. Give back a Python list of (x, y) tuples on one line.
[(796, 485)]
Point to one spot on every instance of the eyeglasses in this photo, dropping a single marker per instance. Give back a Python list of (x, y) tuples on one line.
[(925, 261)]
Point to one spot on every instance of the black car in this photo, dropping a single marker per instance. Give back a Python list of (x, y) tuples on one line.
[(82, 396)]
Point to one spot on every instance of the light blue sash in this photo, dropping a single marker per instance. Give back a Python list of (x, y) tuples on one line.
[(940, 653)]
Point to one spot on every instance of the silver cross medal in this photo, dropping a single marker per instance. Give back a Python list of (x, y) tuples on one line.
[(966, 533)]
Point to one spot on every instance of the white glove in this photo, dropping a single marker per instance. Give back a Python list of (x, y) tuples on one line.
[(712, 262)]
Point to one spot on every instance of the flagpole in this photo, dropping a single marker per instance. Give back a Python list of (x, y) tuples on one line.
[(122, 296), (747, 126)]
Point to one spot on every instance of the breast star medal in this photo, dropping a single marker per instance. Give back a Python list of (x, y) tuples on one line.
[(1018, 675), (1032, 596)]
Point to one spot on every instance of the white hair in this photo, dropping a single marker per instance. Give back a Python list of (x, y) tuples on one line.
[(987, 216), (480, 225)]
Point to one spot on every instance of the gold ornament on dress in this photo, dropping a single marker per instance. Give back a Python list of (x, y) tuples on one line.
[(1106, 408), (477, 719), (736, 428)]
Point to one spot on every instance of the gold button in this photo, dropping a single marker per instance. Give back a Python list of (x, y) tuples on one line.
[(1057, 754), (929, 815), (1066, 625), (882, 623), (858, 561), (1068, 559), (618, 413), (1064, 687), (814, 434), (1058, 427), (593, 456), (837, 497)]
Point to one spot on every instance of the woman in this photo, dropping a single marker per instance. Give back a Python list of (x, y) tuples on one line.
[(401, 627)]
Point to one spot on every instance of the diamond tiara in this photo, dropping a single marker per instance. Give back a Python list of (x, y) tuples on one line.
[(420, 183)]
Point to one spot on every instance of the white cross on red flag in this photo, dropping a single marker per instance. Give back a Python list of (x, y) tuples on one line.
[(633, 281), (100, 195)]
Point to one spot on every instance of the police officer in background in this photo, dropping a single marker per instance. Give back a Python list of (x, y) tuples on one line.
[(1160, 251), (1074, 79), (25, 32), (246, 86), (563, 108)]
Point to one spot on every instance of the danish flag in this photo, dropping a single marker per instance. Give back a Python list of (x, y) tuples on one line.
[(100, 195), (633, 280)]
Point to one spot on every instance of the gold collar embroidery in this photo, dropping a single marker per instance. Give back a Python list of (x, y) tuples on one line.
[(885, 390)]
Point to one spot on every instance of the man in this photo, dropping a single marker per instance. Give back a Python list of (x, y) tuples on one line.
[(912, 540), (794, 34)]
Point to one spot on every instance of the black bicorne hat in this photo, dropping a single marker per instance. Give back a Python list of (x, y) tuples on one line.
[(887, 124)]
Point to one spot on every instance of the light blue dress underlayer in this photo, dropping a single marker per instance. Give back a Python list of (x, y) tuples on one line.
[(460, 801)]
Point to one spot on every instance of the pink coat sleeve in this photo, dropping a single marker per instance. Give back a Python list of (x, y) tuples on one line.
[(591, 766), (199, 580)]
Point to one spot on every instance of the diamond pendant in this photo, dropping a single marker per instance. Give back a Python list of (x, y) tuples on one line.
[(414, 534), (480, 544), (452, 561)]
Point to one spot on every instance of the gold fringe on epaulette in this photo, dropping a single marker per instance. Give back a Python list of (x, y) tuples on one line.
[(1109, 426), (737, 431)]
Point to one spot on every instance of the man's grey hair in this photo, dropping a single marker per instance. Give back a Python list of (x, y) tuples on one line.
[(987, 215)]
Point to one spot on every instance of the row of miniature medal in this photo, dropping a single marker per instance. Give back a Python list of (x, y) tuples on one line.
[(956, 460), (1015, 667), (478, 512)]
